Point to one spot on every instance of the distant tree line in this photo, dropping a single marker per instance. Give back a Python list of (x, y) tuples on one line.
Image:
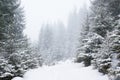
[(58, 41)]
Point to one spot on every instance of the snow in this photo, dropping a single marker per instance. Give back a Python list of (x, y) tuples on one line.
[(64, 71), (17, 78)]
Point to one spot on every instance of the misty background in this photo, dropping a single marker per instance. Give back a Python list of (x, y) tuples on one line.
[(50, 25), (38, 12)]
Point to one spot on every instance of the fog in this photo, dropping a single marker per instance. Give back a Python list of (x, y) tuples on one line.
[(38, 12)]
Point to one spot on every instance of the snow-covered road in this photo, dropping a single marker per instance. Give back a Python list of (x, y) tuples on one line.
[(64, 71)]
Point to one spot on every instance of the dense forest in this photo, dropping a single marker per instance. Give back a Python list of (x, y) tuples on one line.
[(91, 36), (100, 40), (16, 54)]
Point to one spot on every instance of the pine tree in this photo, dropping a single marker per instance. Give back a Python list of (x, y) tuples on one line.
[(73, 28), (12, 25), (106, 24), (89, 42), (14, 50), (100, 17), (114, 8), (46, 42)]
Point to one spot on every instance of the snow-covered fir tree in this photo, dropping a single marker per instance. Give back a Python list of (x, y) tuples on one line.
[(100, 17), (14, 50), (89, 43), (45, 42), (102, 39), (107, 25), (73, 29)]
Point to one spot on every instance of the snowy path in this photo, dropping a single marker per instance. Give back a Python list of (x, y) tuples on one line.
[(64, 71)]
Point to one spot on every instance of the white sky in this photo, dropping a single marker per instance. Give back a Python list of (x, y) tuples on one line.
[(38, 12)]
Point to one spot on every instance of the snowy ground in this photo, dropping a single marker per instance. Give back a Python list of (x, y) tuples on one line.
[(64, 71)]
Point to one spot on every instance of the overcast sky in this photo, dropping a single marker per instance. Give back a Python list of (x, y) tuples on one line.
[(38, 12)]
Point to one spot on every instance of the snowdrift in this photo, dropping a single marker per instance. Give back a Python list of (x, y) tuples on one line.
[(64, 71)]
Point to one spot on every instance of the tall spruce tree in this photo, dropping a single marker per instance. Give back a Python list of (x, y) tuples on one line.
[(106, 23), (101, 21), (15, 53), (12, 25), (12, 38)]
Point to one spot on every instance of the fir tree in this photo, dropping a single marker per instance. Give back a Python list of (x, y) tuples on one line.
[(14, 50)]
